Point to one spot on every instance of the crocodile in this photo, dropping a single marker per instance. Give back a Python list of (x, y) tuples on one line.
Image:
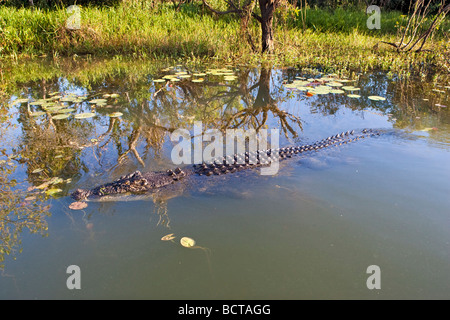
[(138, 182)]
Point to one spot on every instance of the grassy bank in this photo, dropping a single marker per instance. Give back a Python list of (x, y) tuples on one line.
[(332, 40)]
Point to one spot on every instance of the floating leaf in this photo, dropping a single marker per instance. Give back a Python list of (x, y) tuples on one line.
[(78, 205), (199, 74), (355, 96), (168, 237), (20, 101), (376, 98), (68, 110), (84, 115), (115, 114), (187, 242), (37, 113), (37, 170), (198, 80), (428, 129), (159, 80), (334, 84), (61, 116), (337, 91), (350, 88), (114, 95), (96, 101), (37, 103)]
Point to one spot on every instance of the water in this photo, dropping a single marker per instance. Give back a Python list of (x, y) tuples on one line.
[(311, 231)]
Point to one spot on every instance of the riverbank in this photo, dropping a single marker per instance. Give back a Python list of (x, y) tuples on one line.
[(337, 40)]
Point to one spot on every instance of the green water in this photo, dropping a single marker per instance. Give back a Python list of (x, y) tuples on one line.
[(311, 231)]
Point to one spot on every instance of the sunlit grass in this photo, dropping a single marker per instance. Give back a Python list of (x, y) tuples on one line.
[(332, 40)]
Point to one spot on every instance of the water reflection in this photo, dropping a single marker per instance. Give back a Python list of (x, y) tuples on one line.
[(56, 156)]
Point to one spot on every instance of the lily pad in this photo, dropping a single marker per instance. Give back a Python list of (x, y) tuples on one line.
[(37, 170), (334, 84), (61, 116), (168, 237), (376, 98), (37, 103), (159, 80), (355, 96), (78, 205), (20, 101), (114, 95), (52, 191), (68, 110), (115, 114), (337, 91), (96, 101), (187, 242), (37, 113), (85, 115), (198, 80)]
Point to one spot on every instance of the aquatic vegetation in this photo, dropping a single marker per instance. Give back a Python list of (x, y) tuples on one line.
[(78, 205), (187, 242)]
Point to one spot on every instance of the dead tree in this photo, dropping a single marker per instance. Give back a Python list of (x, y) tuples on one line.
[(410, 38), (246, 11)]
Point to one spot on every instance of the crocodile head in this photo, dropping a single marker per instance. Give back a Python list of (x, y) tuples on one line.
[(81, 194)]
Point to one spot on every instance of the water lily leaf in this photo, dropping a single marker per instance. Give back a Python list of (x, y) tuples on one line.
[(20, 101), (428, 129), (37, 170), (78, 205), (198, 80), (96, 101), (68, 110), (115, 114), (37, 113), (114, 95), (334, 84), (85, 115), (159, 80), (337, 91), (37, 102), (376, 98), (350, 88), (355, 96), (61, 116), (187, 242), (201, 74), (229, 78), (168, 237)]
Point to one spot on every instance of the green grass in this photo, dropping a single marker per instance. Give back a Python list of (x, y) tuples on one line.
[(336, 40)]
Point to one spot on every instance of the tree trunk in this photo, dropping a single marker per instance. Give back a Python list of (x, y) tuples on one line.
[(267, 10)]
